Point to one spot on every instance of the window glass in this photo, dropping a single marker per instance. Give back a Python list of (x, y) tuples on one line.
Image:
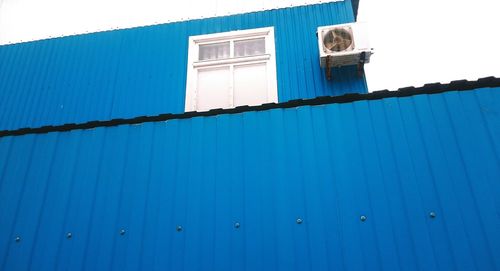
[(214, 51), (250, 47), (250, 84), (213, 88)]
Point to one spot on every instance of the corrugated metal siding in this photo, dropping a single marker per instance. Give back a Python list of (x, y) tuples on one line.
[(142, 71), (393, 160)]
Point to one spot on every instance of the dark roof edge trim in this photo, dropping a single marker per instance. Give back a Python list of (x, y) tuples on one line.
[(355, 7), (461, 85)]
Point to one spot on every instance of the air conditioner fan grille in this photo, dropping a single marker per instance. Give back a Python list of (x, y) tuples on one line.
[(338, 39)]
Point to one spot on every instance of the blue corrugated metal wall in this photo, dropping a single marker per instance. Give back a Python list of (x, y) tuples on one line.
[(142, 71), (394, 161)]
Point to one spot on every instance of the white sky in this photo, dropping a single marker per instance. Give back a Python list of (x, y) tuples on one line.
[(416, 42)]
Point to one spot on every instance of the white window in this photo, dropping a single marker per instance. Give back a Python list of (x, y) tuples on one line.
[(230, 69)]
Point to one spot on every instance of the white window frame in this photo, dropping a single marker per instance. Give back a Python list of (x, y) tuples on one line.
[(194, 64)]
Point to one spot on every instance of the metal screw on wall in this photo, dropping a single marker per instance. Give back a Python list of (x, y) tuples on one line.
[(122, 232), (18, 239), (69, 235), (432, 215), (237, 225), (363, 218), (299, 220), (179, 228)]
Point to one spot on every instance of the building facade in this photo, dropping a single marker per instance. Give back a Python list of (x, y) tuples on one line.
[(142, 71), (103, 168)]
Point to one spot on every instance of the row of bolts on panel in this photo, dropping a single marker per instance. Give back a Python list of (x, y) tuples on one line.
[(237, 225)]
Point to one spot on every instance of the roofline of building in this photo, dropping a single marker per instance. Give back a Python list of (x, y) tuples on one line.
[(179, 19), (435, 88)]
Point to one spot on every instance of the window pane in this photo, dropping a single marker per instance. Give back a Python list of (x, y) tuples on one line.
[(214, 51), (250, 84), (249, 47), (213, 89)]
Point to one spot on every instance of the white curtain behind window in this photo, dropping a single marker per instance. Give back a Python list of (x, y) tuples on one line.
[(213, 89)]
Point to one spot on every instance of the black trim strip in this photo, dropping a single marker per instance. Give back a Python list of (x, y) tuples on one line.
[(460, 85)]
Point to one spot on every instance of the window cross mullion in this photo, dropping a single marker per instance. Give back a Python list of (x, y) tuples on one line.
[(231, 48)]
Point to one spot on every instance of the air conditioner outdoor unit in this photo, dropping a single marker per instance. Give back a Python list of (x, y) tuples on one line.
[(343, 44)]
